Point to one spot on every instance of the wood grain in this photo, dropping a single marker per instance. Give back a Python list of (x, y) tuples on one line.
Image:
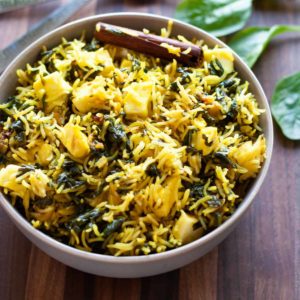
[(259, 260), (46, 281)]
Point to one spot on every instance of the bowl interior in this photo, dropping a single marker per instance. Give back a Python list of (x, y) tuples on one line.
[(8, 82)]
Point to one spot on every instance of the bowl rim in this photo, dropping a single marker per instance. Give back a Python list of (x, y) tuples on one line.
[(243, 206)]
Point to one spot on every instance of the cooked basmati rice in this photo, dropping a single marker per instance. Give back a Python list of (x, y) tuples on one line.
[(111, 151)]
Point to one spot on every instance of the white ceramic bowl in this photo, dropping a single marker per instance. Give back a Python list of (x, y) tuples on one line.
[(138, 266)]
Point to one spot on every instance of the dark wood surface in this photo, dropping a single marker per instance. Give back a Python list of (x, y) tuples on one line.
[(259, 260)]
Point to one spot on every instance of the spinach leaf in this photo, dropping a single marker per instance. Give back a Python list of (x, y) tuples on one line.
[(112, 227), (69, 182), (79, 222), (43, 202), (98, 153), (285, 106), (196, 190), (71, 167), (152, 170), (174, 87), (215, 68), (93, 45), (115, 133), (214, 202), (20, 138), (26, 168), (187, 140), (18, 126), (251, 42), (219, 17), (222, 157)]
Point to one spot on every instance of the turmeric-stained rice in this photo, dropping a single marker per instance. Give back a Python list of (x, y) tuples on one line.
[(114, 152)]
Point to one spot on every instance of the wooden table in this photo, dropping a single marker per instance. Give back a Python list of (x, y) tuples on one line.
[(259, 260)]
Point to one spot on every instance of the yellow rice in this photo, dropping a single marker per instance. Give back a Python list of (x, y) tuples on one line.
[(111, 151)]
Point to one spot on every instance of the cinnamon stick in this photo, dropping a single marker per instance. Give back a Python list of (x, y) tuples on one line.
[(150, 44)]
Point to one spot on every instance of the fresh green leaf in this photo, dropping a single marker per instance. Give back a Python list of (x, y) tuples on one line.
[(251, 42), (219, 17), (285, 106)]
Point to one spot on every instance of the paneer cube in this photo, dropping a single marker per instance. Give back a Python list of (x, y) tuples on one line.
[(96, 58), (38, 183), (52, 89), (8, 176), (74, 140), (183, 229), (91, 96), (206, 139), (37, 180), (137, 100), (166, 197), (249, 156), (45, 154), (224, 56)]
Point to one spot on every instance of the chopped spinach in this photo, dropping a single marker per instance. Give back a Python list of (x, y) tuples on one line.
[(17, 126), (136, 65), (152, 170), (174, 87), (185, 78), (26, 168), (71, 167), (50, 66), (214, 202), (43, 202), (47, 53), (112, 227), (229, 83), (79, 222), (183, 70), (98, 153), (20, 138), (68, 181), (187, 140), (196, 190), (222, 157), (91, 194), (13, 102), (74, 73), (185, 75), (220, 94), (208, 118), (233, 111), (206, 141), (216, 68), (93, 45), (115, 134)]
